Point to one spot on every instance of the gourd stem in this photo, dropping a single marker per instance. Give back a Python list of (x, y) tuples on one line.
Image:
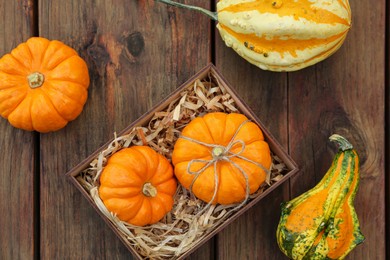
[(149, 190), (212, 15), (343, 143), (35, 80)]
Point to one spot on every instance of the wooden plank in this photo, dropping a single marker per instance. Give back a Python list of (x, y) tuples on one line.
[(252, 235), (137, 53), (17, 161), (387, 129), (17, 192), (345, 95), (17, 147)]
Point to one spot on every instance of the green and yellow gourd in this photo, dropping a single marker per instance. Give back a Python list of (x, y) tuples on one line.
[(281, 35), (322, 223)]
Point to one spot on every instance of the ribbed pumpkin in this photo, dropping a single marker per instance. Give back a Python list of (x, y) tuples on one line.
[(43, 85), (322, 222), (221, 157), (281, 35), (138, 185)]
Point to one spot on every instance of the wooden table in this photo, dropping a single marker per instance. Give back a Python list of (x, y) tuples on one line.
[(138, 51)]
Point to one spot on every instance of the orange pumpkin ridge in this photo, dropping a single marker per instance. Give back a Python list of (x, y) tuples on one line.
[(211, 159), (44, 85), (138, 185)]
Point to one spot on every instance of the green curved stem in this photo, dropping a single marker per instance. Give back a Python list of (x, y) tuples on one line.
[(343, 143), (212, 15)]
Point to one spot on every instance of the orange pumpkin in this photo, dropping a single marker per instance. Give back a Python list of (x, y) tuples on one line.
[(43, 85), (221, 158), (138, 185)]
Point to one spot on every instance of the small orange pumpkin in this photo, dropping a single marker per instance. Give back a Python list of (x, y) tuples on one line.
[(138, 185), (221, 157), (43, 85)]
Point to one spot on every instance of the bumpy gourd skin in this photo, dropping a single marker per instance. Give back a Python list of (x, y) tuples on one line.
[(322, 222), (219, 129), (284, 35), (43, 85)]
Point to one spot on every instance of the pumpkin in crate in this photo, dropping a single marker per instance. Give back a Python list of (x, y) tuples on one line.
[(322, 222), (138, 185), (43, 85), (281, 35), (221, 158)]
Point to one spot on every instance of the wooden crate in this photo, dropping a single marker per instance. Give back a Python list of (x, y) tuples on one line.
[(276, 149)]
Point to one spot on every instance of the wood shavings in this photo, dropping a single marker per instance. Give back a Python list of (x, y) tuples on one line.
[(189, 221)]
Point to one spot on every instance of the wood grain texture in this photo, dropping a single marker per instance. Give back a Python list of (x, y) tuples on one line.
[(344, 95), (17, 152), (137, 53), (252, 236), (387, 129)]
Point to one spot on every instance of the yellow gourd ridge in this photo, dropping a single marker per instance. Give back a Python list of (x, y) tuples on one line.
[(322, 223), (281, 35)]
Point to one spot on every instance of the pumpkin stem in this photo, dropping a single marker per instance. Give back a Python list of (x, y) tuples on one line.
[(212, 15), (149, 190), (343, 143), (218, 151), (35, 80)]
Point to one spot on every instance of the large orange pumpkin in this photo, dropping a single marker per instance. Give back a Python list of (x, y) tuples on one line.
[(138, 185), (43, 85), (221, 157)]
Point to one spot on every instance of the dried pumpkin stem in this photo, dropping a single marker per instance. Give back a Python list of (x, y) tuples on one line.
[(212, 15), (218, 151), (343, 143), (149, 190), (35, 79)]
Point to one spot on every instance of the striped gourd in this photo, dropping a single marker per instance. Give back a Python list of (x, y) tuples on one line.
[(281, 35), (322, 222)]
